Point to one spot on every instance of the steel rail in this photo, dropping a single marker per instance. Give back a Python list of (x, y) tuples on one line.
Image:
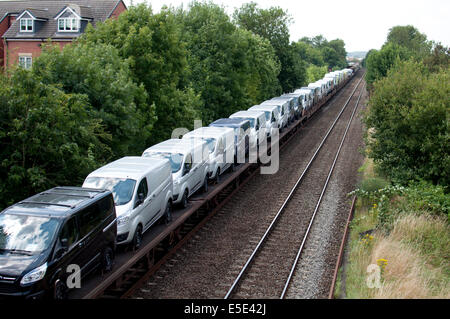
[(342, 248), (274, 221), (319, 201)]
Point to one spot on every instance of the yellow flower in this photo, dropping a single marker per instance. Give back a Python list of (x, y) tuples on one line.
[(382, 263)]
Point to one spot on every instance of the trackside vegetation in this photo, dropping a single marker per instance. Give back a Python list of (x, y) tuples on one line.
[(401, 228), (127, 83)]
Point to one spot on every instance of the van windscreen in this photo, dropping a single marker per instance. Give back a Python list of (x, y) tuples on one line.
[(121, 188), (25, 234)]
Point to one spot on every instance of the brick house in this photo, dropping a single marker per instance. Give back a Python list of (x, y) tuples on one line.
[(26, 25)]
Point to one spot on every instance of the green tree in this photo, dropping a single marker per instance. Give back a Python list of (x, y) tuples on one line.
[(230, 68), (309, 54), (47, 137), (315, 73), (439, 58), (409, 114), (156, 53), (273, 25), (99, 72), (379, 62), (409, 37)]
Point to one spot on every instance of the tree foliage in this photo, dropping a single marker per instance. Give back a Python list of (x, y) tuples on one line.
[(98, 72), (231, 68), (409, 37), (409, 114), (273, 25), (47, 137), (379, 62), (153, 47)]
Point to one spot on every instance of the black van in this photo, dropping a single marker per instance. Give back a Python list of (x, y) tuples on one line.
[(47, 237)]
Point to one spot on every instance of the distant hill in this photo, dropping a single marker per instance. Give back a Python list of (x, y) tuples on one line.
[(357, 54)]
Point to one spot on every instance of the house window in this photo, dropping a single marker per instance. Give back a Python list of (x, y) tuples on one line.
[(26, 25), (25, 62), (68, 24)]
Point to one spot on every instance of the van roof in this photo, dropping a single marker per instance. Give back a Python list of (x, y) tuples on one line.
[(132, 167), (284, 97), (209, 131), (234, 122), (175, 145), (249, 113), (57, 202), (272, 102), (266, 107)]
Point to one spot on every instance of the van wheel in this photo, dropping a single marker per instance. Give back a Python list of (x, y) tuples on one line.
[(137, 239), (60, 290), (184, 199), (168, 213), (205, 184), (107, 260)]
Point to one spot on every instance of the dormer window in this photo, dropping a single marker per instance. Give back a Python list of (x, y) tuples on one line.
[(69, 19), (26, 25), (69, 24)]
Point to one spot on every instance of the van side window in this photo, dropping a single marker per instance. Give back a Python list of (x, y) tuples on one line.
[(70, 232), (220, 147), (246, 127), (188, 162), (105, 207), (143, 187), (89, 219), (273, 117)]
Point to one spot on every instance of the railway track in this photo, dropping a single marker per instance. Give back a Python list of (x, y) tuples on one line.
[(203, 267), (275, 256)]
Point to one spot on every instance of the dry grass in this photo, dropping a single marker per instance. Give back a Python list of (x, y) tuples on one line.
[(409, 272)]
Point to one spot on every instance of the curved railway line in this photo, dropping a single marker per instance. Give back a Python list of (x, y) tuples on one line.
[(205, 263)]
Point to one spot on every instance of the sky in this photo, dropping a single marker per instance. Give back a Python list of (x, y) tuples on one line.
[(363, 25)]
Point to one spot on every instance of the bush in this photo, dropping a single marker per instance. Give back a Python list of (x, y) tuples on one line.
[(409, 114)]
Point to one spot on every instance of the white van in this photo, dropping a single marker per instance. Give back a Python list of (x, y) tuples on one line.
[(308, 96), (273, 120), (283, 110), (257, 125), (220, 142), (295, 111), (142, 190), (317, 89), (189, 161)]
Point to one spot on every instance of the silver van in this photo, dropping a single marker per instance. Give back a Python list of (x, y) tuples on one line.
[(257, 125), (220, 142), (273, 120), (189, 166), (142, 190)]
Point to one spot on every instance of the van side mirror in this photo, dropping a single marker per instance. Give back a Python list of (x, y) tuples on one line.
[(64, 246), (185, 170), (64, 243), (140, 200)]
